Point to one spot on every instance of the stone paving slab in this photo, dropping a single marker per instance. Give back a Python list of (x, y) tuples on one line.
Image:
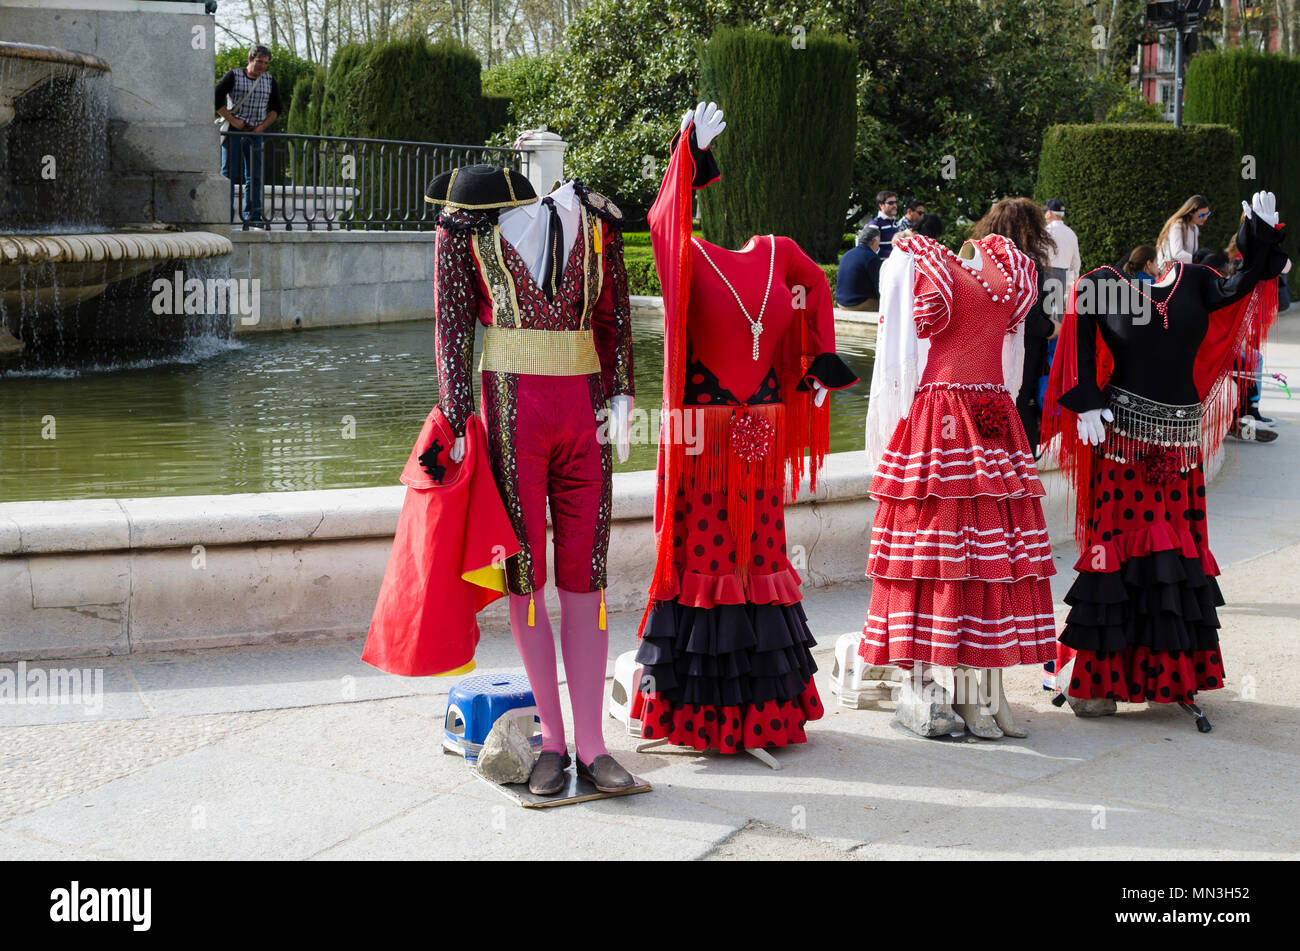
[(215, 804)]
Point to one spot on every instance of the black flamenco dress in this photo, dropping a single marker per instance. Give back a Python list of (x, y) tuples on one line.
[(1143, 624)]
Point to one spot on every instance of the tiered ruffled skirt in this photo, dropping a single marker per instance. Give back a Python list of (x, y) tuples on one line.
[(727, 661), (1142, 610), (959, 556)]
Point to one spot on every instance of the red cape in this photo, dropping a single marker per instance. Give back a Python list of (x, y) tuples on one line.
[(447, 561)]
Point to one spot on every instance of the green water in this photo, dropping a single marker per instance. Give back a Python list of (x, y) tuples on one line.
[(333, 408)]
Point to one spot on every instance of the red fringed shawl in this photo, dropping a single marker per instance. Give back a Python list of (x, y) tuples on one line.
[(796, 424)]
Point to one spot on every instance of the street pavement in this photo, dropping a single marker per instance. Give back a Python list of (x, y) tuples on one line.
[(304, 752)]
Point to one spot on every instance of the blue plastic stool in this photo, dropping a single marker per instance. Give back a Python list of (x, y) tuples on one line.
[(476, 703)]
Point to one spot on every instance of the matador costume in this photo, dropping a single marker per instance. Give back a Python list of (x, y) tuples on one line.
[(554, 351)]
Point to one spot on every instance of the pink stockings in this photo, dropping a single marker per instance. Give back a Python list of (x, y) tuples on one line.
[(586, 649)]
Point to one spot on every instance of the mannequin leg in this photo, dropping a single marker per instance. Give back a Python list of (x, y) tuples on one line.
[(586, 652), (1001, 709), (968, 706), (537, 647)]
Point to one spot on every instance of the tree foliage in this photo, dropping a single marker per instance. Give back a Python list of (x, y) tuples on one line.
[(953, 95)]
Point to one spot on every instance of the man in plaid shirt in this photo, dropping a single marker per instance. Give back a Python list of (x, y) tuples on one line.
[(249, 100)]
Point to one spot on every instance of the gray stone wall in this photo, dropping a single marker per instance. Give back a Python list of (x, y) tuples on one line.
[(334, 278), (164, 151)]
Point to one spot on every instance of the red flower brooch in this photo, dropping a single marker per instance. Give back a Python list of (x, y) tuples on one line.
[(990, 416), (1159, 466), (751, 437)]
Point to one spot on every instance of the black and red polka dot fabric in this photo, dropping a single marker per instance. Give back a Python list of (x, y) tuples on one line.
[(728, 729), (727, 659), (1143, 622)]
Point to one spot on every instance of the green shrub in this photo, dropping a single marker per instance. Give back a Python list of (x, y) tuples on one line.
[(787, 153), (409, 89), (1259, 95), (1120, 182)]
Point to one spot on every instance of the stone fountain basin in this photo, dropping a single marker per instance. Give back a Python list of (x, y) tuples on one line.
[(78, 260), (41, 270), (24, 66)]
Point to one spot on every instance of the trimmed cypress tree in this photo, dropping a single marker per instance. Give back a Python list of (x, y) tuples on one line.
[(787, 153), (1259, 94), (408, 89), (1120, 182)]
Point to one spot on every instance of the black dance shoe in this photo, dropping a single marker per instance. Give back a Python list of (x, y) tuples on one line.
[(606, 775), (548, 776)]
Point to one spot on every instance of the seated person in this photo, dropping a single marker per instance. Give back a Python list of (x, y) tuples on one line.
[(857, 283)]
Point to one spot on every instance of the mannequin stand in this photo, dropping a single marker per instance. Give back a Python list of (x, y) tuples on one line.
[(763, 756)]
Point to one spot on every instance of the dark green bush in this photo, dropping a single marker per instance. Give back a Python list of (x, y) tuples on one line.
[(1120, 182), (787, 152)]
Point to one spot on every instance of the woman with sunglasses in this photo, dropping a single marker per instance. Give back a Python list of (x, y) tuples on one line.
[(1177, 241)]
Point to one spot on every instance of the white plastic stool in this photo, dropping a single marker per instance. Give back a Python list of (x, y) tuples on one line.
[(627, 674), (856, 683)]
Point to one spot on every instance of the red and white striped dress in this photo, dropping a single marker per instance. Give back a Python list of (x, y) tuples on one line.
[(959, 555)]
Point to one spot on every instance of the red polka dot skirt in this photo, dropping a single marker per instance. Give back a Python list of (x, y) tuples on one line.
[(727, 660), (1143, 619)]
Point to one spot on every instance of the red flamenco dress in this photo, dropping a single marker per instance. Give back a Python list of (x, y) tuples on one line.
[(1162, 358), (960, 558), (726, 650)]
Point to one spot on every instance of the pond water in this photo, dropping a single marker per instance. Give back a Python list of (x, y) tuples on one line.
[(332, 408)]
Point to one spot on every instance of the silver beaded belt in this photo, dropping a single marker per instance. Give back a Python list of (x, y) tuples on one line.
[(1142, 424)]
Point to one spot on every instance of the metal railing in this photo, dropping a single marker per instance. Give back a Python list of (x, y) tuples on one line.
[(331, 182)]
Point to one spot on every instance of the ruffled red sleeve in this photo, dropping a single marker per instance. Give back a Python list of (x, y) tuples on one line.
[(1023, 273), (932, 284)]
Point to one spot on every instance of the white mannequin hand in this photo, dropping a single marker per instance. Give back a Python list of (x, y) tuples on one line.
[(819, 393), (1264, 206), (1091, 429), (458, 449), (708, 122), (620, 432)]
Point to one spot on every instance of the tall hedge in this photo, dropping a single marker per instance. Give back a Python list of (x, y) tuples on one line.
[(1119, 182), (410, 89), (787, 152), (1259, 94)]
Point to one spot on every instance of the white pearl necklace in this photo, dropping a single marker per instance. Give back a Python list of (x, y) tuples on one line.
[(755, 326), (979, 274)]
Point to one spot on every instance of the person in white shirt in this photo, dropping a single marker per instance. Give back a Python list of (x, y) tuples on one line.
[(1063, 261), (1178, 238)]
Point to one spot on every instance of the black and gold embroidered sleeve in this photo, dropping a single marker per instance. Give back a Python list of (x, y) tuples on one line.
[(612, 320), (455, 313)]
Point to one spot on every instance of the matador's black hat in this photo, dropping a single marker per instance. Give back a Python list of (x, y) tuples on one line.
[(480, 187)]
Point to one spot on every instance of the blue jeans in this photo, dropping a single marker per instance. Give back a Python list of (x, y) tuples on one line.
[(241, 162)]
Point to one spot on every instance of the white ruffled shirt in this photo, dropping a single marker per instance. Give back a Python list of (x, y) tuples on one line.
[(526, 227)]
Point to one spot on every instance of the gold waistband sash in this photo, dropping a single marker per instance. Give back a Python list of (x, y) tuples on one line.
[(539, 352)]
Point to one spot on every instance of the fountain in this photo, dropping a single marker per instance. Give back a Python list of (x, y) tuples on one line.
[(69, 283)]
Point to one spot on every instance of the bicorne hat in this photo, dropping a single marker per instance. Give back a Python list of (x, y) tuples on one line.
[(480, 187)]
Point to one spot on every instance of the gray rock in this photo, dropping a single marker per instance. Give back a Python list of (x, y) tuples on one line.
[(929, 719), (507, 756)]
